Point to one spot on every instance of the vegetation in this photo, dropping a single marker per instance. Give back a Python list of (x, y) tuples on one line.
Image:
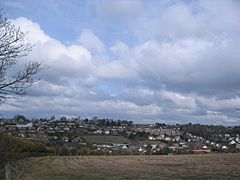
[(138, 136), (107, 122), (210, 132), (12, 149), (103, 139)]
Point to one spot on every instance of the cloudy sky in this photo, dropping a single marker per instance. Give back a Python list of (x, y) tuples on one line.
[(173, 61)]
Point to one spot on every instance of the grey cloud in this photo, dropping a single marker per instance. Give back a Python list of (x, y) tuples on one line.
[(178, 19), (196, 65)]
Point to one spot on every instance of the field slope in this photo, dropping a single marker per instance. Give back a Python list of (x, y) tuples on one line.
[(210, 166)]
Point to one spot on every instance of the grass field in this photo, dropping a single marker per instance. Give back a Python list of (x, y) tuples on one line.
[(106, 139), (210, 166)]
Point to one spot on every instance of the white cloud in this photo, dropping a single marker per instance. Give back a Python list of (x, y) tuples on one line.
[(120, 49), (115, 70), (170, 61), (181, 101), (89, 40), (73, 61), (33, 30)]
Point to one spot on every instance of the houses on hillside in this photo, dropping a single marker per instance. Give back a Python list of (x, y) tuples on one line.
[(141, 138)]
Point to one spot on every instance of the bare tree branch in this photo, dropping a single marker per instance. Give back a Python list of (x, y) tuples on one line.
[(13, 45)]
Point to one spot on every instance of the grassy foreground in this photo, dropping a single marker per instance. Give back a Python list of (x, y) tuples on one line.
[(210, 166)]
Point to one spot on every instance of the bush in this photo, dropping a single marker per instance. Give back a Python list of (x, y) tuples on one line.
[(12, 148), (84, 151), (64, 152)]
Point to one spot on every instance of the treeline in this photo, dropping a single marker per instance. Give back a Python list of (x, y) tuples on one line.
[(108, 122), (138, 136)]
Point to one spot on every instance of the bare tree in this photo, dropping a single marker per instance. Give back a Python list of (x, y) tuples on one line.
[(13, 45)]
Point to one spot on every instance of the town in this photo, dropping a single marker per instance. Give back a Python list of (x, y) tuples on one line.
[(102, 136)]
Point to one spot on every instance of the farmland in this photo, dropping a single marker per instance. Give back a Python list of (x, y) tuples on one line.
[(210, 166), (106, 139)]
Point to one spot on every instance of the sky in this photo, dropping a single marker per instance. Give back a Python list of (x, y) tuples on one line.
[(171, 61)]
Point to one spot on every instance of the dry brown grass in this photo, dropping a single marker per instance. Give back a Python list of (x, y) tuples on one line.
[(210, 166)]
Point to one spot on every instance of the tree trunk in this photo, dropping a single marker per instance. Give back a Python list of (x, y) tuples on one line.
[(7, 172)]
